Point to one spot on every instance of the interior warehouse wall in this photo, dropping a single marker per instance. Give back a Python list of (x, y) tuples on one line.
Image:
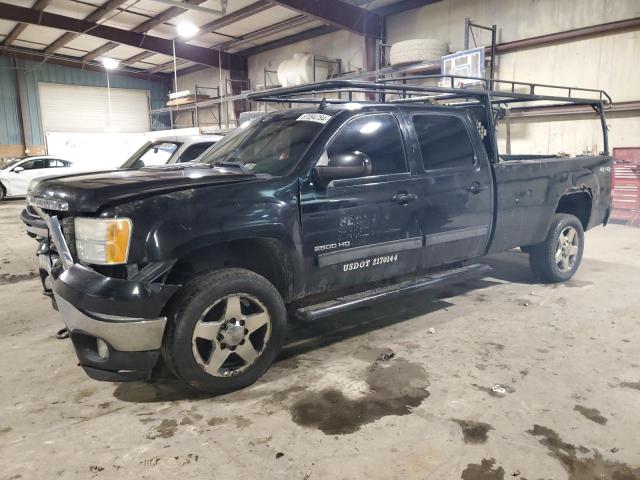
[(207, 117), (35, 72), (344, 45), (608, 62), (348, 47)]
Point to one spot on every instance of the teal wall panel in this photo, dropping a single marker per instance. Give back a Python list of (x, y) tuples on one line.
[(37, 72), (10, 129)]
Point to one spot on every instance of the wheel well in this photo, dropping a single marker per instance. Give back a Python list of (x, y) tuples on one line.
[(265, 256), (577, 204)]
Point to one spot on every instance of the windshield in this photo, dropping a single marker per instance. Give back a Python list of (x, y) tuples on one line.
[(272, 145), (152, 153), (11, 163)]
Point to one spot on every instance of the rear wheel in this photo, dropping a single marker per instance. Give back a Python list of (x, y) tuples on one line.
[(557, 258), (225, 330)]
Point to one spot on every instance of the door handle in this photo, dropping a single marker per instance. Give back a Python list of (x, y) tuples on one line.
[(403, 197), (475, 188)]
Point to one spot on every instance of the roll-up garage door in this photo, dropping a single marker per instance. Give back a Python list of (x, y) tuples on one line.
[(71, 108)]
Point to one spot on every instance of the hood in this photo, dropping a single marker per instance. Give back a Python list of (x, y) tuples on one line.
[(88, 192)]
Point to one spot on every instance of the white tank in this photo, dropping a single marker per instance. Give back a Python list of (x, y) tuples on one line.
[(299, 70)]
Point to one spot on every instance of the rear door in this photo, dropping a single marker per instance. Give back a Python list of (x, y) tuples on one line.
[(363, 229), (456, 194)]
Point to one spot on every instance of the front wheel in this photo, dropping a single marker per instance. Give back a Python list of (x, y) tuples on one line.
[(557, 258), (225, 330)]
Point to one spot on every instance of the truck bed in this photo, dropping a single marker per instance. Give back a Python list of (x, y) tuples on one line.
[(529, 188)]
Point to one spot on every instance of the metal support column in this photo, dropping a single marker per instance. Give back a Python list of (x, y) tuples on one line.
[(24, 113), (469, 25)]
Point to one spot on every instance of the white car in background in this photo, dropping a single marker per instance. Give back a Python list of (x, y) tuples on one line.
[(171, 149), (15, 177)]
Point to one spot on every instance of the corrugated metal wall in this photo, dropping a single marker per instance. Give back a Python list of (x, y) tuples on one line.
[(9, 109), (35, 72)]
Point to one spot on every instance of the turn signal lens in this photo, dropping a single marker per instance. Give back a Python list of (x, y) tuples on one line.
[(103, 241)]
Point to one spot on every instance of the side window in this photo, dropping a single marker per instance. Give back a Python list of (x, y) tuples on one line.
[(27, 165), (194, 151), (40, 163), (56, 163), (377, 136), (444, 141)]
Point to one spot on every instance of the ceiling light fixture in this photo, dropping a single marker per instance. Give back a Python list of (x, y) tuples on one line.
[(110, 63), (187, 30)]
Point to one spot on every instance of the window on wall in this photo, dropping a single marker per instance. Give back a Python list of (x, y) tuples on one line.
[(377, 136), (444, 141)]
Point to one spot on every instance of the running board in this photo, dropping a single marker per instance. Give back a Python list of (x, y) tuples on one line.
[(427, 282)]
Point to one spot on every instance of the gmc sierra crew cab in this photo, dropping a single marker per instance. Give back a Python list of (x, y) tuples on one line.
[(369, 191)]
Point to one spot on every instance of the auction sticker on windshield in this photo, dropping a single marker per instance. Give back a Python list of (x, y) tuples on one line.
[(314, 117)]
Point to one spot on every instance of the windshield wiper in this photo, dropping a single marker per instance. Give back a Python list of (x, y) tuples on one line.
[(239, 165)]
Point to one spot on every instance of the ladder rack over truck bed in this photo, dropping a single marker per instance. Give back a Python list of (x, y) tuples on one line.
[(372, 190)]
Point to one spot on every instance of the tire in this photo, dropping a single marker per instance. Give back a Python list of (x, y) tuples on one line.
[(3, 192), (213, 332), (558, 258), (417, 50)]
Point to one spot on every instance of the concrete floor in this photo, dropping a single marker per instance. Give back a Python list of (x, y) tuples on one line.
[(372, 394)]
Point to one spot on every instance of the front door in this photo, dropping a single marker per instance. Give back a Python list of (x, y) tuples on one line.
[(456, 191), (364, 229), (19, 180)]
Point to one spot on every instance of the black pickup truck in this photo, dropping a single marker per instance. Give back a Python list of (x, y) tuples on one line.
[(305, 211)]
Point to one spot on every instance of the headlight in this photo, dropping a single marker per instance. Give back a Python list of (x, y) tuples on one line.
[(103, 241)]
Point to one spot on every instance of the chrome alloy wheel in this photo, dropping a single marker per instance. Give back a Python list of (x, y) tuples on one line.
[(231, 334), (567, 249)]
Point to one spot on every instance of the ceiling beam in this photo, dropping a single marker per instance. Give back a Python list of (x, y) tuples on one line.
[(324, 30), (339, 14), (288, 40), (403, 6), (18, 29), (144, 27), (163, 16), (235, 16), (94, 16), (193, 53), (137, 58), (249, 37), (279, 27), (39, 56), (170, 13)]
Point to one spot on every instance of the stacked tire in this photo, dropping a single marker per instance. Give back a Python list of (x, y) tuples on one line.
[(417, 50)]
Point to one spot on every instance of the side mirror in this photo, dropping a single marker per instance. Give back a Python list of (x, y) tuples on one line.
[(18, 169), (155, 149), (344, 165)]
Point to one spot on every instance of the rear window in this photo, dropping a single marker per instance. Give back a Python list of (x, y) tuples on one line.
[(194, 151), (444, 141)]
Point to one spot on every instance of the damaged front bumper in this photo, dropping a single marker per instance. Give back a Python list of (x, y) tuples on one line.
[(115, 325)]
